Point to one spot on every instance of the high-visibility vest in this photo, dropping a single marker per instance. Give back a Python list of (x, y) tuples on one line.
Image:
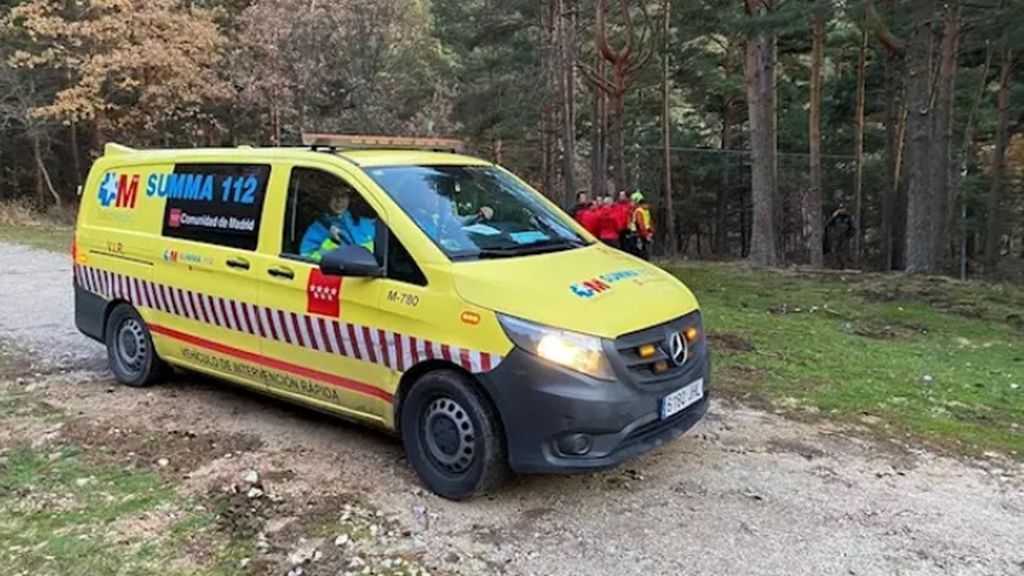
[(317, 241), (640, 223)]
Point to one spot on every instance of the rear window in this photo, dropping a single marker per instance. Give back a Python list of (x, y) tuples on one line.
[(214, 203)]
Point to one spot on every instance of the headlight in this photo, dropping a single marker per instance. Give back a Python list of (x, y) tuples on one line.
[(578, 352)]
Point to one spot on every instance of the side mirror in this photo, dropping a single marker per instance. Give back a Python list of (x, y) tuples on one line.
[(351, 261)]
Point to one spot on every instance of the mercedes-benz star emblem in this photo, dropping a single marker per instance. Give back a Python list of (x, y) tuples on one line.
[(677, 348)]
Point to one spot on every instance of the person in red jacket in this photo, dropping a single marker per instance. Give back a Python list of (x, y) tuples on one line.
[(609, 227), (587, 216), (624, 210)]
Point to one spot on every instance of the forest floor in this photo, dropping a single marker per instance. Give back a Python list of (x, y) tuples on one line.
[(862, 424), (930, 361)]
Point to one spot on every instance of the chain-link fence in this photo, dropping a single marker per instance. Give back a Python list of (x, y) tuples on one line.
[(711, 195)]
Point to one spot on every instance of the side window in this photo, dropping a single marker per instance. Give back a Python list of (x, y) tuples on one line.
[(213, 203), (401, 266), (325, 212)]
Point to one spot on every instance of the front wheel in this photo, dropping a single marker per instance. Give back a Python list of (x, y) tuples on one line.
[(452, 436), (130, 348)]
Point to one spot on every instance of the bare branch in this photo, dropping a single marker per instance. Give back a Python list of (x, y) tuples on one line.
[(640, 62), (592, 77), (602, 34), (873, 21), (648, 25), (630, 31)]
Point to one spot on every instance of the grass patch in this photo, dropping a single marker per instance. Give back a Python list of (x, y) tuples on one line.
[(52, 237), (56, 514), (939, 360), (61, 514), (67, 508)]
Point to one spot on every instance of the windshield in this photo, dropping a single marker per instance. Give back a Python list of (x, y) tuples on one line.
[(477, 211)]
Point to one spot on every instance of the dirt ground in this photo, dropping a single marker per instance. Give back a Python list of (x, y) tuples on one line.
[(746, 492)]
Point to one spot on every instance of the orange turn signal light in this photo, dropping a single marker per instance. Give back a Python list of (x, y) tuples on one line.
[(691, 334), (647, 350)]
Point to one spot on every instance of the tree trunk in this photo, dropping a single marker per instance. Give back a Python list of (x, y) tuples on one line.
[(43, 182), (547, 154), (956, 195), (894, 204), (497, 151), (858, 148), (889, 241), (744, 226), (99, 134), (618, 136), (724, 190), (666, 138), (626, 61), (275, 124), (567, 82), (759, 71), (599, 136), (993, 204), (548, 168), (721, 237), (920, 136), (901, 189), (37, 170), (813, 243), (76, 156), (942, 140)]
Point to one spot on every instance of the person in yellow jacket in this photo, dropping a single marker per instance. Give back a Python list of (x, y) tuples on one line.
[(641, 226)]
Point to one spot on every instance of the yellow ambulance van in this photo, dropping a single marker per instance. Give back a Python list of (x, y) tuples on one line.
[(384, 280)]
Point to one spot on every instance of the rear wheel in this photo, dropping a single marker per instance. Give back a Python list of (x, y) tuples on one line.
[(130, 348), (452, 436)]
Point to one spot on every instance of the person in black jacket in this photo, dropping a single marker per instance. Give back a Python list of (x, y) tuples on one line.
[(582, 202), (839, 233)]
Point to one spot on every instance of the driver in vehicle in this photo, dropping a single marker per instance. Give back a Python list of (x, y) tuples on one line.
[(429, 212), (346, 223), (483, 215)]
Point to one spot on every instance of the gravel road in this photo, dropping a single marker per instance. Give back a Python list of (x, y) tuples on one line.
[(745, 493)]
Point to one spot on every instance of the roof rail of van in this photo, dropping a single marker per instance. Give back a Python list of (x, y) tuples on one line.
[(115, 149), (333, 142)]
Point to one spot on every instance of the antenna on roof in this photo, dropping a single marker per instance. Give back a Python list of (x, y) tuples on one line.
[(333, 142)]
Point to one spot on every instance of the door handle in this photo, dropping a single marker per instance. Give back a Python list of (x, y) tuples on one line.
[(238, 263), (281, 273)]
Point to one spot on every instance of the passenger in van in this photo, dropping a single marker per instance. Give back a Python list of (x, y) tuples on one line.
[(345, 224), (484, 214), (441, 214)]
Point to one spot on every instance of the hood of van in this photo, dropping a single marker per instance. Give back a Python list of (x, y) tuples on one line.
[(593, 290)]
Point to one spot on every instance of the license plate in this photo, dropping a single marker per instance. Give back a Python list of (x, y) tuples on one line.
[(677, 401)]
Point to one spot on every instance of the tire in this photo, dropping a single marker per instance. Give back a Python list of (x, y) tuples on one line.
[(130, 350), (452, 436)]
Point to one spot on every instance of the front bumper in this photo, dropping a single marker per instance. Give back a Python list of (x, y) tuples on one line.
[(541, 403)]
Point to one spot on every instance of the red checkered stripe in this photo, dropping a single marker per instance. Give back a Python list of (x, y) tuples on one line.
[(396, 351)]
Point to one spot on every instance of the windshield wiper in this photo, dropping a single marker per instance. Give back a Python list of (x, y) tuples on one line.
[(555, 243), (548, 227), (550, 245)]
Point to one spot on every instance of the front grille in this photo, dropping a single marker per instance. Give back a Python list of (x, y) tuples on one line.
[(656, 427), (660, 365), (652, 428)]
